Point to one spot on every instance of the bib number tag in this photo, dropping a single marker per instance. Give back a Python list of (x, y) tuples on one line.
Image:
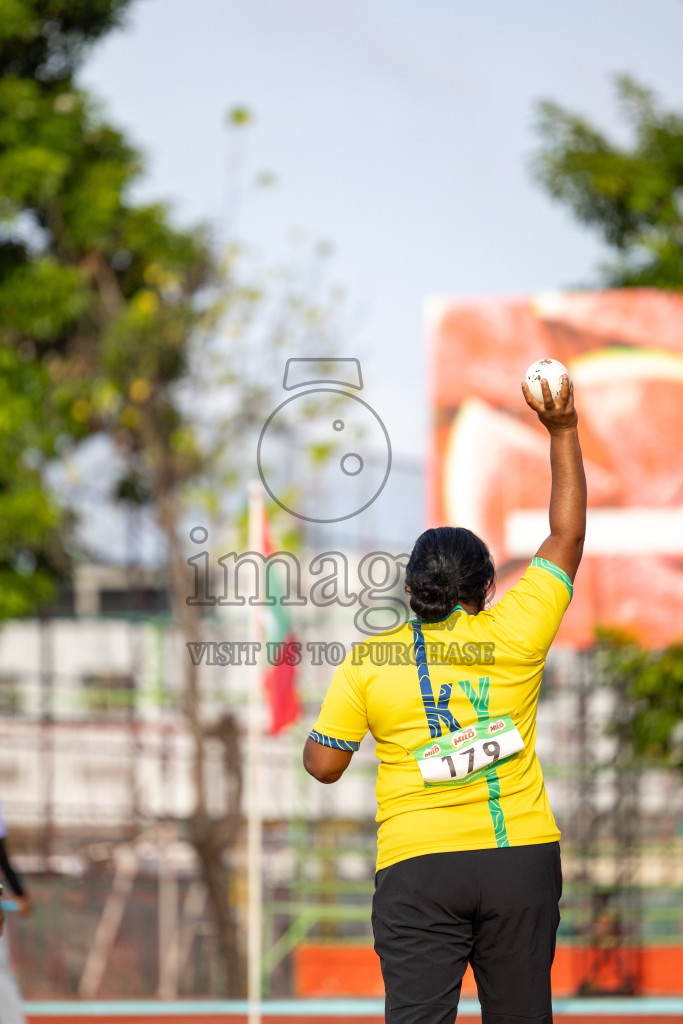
[(461, 757)]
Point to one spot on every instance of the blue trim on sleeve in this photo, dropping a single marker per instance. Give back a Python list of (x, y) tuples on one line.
[(330, 741), (554, 570)]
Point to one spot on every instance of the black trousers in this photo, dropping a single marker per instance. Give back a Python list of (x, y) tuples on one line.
[(497, 909)]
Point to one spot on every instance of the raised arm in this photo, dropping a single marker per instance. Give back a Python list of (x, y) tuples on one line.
[(564, 546)]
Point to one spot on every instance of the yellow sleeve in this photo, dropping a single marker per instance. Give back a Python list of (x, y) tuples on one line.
[(343, 720), (532, 610)]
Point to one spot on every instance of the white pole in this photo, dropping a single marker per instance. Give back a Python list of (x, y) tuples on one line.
[(254, 826)]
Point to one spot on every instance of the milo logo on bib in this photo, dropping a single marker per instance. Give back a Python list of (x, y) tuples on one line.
[(462, 737), (436, 749)]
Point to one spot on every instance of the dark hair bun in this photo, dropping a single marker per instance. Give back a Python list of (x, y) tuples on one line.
[(449, 565)]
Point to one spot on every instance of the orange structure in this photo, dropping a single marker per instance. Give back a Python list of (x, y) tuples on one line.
[(329, 971), (489, 455)]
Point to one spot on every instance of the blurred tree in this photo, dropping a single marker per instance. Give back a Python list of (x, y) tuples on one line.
[(39, 45), (632, 195), (73, 258), (46, 39), (114, 322), (652, 723), (99, 298)]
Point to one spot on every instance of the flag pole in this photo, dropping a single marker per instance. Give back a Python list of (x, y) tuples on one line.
[(254, 823)]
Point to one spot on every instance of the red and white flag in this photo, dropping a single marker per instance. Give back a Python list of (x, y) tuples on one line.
[(280, 676)]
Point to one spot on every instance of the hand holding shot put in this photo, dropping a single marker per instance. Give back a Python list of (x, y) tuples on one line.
[(555, 413)]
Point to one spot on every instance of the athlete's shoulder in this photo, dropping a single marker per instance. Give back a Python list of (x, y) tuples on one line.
[(543, 570), (540, 577), (533, 608)]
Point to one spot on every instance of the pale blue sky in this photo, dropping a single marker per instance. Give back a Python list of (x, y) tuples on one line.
[(400, 131)]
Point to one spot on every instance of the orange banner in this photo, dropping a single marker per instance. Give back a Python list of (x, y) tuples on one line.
[(354, 971), (489, 466)]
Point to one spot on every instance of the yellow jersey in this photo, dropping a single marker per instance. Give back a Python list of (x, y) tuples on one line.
[(426, 679)]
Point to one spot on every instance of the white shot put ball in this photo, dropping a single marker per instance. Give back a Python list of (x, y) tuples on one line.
[(552, 370)]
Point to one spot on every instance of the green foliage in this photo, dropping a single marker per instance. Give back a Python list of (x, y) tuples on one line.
[(112, 319), (40, 300), (652, 685), (99, 296), (631, 195), (47, 39), (30, 545), (239, 117)]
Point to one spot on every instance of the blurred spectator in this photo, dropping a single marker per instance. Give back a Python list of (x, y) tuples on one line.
[(10, 996)]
